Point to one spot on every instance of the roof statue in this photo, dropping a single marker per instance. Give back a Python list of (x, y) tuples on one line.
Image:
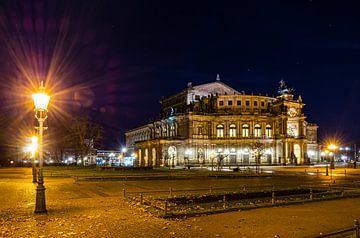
[(284, 90), (300, 98), (217, 77)]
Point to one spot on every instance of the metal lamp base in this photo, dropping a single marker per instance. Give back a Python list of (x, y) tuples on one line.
[(40, 199)]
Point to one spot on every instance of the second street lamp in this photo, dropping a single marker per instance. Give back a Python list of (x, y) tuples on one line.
[(34, 147), (332, 149), (41, 101)]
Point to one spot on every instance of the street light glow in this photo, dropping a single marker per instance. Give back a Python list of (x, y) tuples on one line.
[(34, 145), (332, 147)]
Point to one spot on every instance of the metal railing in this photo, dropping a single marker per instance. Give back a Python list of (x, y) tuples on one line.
[(353, 232)]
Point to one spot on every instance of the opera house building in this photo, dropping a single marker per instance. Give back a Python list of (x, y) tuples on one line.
[(213, 123)]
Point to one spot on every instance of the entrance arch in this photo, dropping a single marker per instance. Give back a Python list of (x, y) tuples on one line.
[(172, 154)]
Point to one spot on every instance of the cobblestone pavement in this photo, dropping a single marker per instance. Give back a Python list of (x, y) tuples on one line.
[(99, 210)]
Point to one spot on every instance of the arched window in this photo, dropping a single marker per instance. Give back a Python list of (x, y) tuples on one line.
[(220, 131), (232, 130), (245, 130), (257, 130), (172, 129), (268, 131), (164, 129)]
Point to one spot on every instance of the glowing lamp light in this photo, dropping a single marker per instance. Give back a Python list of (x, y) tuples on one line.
[(34, 145), (123, 150), (41, 101), (32, 148)]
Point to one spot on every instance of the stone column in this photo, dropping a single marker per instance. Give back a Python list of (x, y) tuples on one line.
[(284, 152)]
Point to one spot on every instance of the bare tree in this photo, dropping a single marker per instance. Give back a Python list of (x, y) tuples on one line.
[(259, 150), (84, 136), (6, 149)]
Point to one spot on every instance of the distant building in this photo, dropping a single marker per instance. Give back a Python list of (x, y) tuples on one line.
[(213, 123)]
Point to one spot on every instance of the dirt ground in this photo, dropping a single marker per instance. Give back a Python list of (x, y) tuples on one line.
[(113, 217), (82, 210)]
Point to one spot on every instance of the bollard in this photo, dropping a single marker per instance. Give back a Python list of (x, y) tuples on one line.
[(170, 192), (210, 189), (272, 197), (317, 172), (311, 194), (141, 198), (124, 192), (357, 228), (244, 188), (224, 200), (342, 192), (166, 207)]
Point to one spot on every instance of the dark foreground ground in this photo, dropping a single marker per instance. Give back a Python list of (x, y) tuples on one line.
[(98, 209)]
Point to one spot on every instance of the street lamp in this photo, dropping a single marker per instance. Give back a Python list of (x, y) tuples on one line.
[(332, 149), (41, 101), (34, 146), (212, 157)]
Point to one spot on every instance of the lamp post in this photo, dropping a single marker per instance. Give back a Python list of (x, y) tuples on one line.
[(41, 101), (332, 149)]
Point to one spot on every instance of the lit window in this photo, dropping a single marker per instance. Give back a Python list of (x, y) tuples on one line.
[(255, 103), (268, 131), (221, 103), (232, 130), (257, 130), (229, 103), (247, 103), (245, 130), (262, 104), (200, 130), (238, 102), (220, 131)]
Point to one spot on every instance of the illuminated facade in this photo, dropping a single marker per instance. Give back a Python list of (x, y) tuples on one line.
[(213, 123)]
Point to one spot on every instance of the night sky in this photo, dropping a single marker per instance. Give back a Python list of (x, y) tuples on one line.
[(117, 58)]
